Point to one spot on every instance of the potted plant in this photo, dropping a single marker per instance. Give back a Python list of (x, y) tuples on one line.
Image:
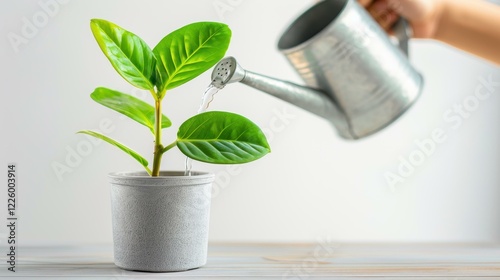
[(160, 218)]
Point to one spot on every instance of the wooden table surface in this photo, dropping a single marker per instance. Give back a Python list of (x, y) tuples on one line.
[(321, 260)]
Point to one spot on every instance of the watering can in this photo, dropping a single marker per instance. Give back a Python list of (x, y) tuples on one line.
[(356, 77)]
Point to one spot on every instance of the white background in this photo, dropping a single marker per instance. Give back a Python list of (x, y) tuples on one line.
[(313, 184)]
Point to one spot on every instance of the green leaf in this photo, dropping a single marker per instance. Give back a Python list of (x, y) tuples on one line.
[(188, 52), (130, 106), (122, 147), (130, 55), (222, 138)]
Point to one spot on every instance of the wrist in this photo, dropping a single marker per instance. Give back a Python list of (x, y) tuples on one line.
[(440, 10)]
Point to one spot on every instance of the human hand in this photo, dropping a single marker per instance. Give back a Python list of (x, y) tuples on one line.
[(423, 15)]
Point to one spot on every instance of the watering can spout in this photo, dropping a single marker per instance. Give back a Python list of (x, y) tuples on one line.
[(228, 71)]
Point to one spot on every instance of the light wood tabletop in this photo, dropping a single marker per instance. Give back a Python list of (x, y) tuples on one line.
[(320, 260)]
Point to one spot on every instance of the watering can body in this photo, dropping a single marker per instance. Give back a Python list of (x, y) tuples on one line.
[(355, 76)]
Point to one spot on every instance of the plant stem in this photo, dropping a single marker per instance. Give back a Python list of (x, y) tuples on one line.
[(158, 146), (169, 147)]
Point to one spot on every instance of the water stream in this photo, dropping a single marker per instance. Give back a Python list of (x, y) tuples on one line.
[(207, 98)]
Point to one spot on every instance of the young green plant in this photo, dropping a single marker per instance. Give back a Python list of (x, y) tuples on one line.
[(212, 137)]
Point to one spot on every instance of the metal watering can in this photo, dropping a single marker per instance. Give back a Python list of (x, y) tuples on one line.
[(356, 77)]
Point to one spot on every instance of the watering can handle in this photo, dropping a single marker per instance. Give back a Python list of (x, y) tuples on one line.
[(403, 32)]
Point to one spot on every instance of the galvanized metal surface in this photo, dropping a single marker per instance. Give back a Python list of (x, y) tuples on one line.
[(356, 77)]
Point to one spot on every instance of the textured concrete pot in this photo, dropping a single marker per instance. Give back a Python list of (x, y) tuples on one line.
[(160, 224)]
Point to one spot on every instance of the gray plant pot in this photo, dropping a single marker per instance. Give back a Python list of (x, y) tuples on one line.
[(161, 223)]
